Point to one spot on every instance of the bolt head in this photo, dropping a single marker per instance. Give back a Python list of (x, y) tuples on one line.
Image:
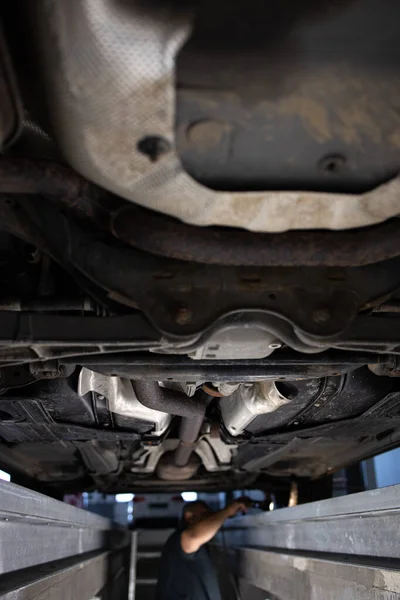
[(183, 316), (321, 315)]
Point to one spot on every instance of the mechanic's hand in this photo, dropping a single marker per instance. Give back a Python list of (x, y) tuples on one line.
[(241, 505)]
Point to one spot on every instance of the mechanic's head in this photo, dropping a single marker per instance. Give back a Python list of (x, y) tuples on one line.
[(193, 512)]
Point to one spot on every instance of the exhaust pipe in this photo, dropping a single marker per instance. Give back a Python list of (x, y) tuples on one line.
[(175, 403)]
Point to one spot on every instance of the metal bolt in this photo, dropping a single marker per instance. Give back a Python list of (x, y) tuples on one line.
[(321, 315), (183, 316)]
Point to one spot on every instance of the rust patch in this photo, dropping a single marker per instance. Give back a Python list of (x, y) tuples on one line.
[(340, 103), (206, 134), (155, 233), (394, 138), (357, 121), (313, 114)]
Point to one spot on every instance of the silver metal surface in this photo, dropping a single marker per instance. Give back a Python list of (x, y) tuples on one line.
[(214, 454), (233, 341), (208, 457), (25, 544), (149, 456), (73, 580), (344, 548), (132, 566), (50, 550), (98, 459), (25, 506), (369, 503), (363, 525), (225, 388), (121, 398), (109, 68), (249, 401), (35, 529), (295, 577)]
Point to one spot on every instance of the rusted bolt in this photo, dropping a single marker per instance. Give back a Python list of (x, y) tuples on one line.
[(183, 315), (321, 315)]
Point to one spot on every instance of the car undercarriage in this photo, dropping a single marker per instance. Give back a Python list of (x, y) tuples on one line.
[(199, 242)]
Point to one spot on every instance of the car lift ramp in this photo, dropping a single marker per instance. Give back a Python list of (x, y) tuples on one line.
[(344, 548), (52, 551)]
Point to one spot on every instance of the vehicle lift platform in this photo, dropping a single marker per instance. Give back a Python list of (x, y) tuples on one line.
[(343, 548)]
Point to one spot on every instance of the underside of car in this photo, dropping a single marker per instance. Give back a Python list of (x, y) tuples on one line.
[(199, 241)]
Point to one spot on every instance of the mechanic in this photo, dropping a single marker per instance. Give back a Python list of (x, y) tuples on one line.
[(186, 569)]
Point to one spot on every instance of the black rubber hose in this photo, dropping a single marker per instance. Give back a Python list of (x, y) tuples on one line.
[(151, 395)]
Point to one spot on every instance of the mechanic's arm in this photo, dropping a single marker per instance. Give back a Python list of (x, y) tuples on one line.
[(199, 534)]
